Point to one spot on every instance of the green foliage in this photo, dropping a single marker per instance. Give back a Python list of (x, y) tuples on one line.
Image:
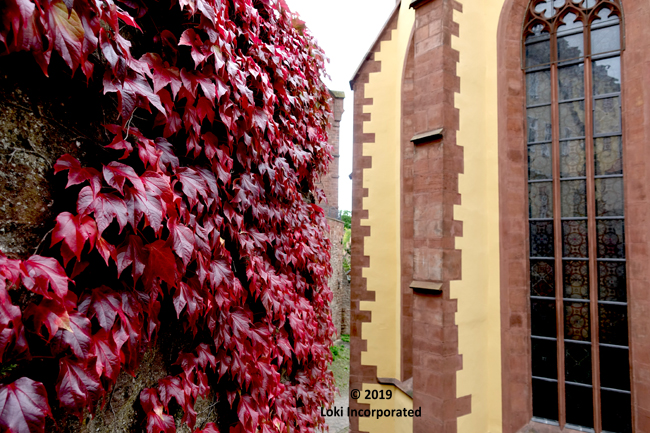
[(345, 337), (346, 217)]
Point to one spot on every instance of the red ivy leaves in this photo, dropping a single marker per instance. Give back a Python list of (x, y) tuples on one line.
[(211, 213), (23, 406)]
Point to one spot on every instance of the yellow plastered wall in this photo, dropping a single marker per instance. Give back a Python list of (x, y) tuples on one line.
[(383, 205), (478, 293)]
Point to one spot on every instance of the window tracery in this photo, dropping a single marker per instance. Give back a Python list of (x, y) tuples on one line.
[(579, 331)]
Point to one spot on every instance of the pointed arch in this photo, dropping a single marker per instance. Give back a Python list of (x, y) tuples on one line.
[(516, 20)]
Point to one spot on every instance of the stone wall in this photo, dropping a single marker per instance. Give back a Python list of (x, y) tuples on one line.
[(338, 282), (330, 184)]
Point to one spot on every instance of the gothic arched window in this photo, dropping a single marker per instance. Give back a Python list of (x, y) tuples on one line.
[(579, 318)]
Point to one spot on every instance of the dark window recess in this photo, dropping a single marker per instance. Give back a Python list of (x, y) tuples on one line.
[(578, 283)]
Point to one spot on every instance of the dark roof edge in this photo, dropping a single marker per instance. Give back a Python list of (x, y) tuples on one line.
[(390, 17), (337, 94)]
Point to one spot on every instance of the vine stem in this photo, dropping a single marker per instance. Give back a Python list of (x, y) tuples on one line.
[(43, 239)]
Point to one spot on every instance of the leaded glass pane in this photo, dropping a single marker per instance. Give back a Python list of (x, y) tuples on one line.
[(617, 411), (575, 239), (572, 119), (540, 162), (574, 198), (542, 278), (609, 196), (539, 124), (579, 405), (611, 239), (612, 284), (543, 318), (607, 115), (613, 324), (538, 88), (540, 198), (572, 158), (545, 399), (541, 239), (608, 154), (606, 39), (615, 368), (570, 47), (544, 355), (607, 76), (577, 362), (576, 279), (576, 321), (572, 81), (538, 53)]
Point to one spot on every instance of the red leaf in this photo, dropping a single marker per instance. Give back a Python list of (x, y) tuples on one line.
[(67, 32), (77, 174), (50, 314), (104, 349), (183, 241), (23, 406), (103, 304), (41, 273), (116, 173), (74, 231), (77, 337), (78, 385), (161, 263), (106, 208), (171, 387), (157, 420), (131, 252)]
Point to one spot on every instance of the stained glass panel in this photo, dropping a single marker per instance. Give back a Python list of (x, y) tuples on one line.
[(576, 321), (538, 88), (572, 81), (608, 155), (577, 362), (542, 278), (575, 239), (574, 198), (543, 318), (617, 417), (607, 76), (544, 354), (613, 324), (607, 115), (606, 39), (538, 53), (579, 405), (615, 368), (570, 47), (609, 197), (539, 124), (541, 239), (572, 158), (572, 119), (540, 162), (611, 239), (540, 196), (612, 281), (545, 399), (576, 279)]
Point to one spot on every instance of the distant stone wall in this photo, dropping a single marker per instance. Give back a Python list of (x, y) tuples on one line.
[(338, 282), (330, 184)]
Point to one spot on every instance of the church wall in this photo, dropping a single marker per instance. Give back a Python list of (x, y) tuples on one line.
[(478, 294), (382, 246)]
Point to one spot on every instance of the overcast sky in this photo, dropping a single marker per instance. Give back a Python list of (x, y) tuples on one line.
[(345, 29)]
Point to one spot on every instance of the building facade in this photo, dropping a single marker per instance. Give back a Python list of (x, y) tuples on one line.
[(500, 234)]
